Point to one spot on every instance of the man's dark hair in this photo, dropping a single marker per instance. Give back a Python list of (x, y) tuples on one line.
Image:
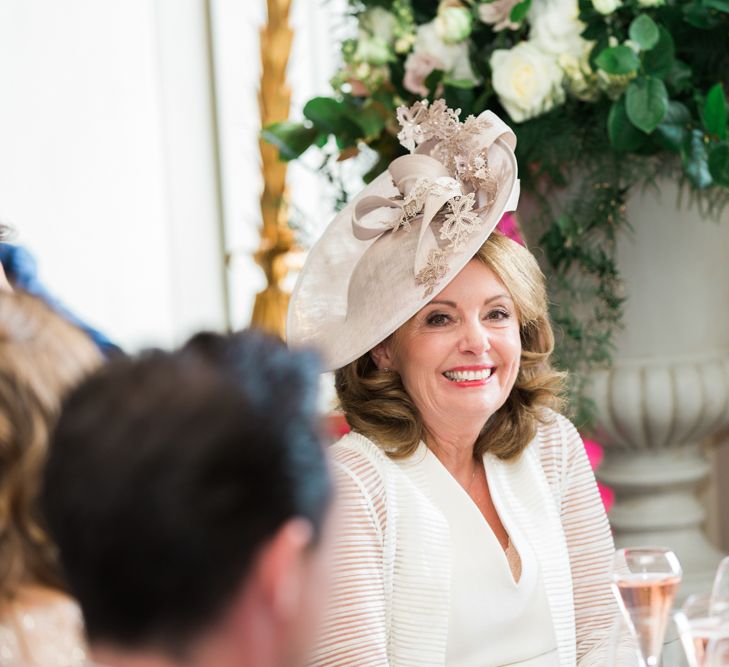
[(166, 475)]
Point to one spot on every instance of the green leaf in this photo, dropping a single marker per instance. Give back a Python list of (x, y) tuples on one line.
[(369, 120), (658, 61), (618, 60), (719, 5), (646, 102), (624, 136), (433, 80), (601, 43), (701, 16), (644, 32), (329, 115), (719, 163), (679, 77), (695, 160), (466, 84), (715, 114), (519, 11), (291, 139), (673, 131)]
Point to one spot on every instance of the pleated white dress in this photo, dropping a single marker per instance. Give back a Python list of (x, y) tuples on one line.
[(493, 620)]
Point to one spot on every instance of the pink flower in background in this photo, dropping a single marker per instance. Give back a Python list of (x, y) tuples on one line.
[(595, 454), (418, 68), (507, 226), (498, 14)]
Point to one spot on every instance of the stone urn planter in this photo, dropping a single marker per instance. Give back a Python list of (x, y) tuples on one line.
[(668, 387)]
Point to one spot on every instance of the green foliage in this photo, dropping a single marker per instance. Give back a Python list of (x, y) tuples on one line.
[(715, 115), (519, 11), (659, 60), (719, 163), (646, 103), (291, 139), (624, 136), (618, 60), (652, 98), (644, 32)]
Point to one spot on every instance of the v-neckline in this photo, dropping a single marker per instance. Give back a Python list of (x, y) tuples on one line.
[(428, 458)]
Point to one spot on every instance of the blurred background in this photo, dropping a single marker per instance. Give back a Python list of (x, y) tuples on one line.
[(130, 163)]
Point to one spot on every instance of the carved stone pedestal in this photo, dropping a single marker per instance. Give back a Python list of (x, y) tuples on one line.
[(669, 386)]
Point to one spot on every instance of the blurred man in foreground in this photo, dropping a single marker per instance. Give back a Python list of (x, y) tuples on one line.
[(189, 497)]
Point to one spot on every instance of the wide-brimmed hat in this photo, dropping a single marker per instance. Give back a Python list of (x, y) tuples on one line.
[(407, 234)]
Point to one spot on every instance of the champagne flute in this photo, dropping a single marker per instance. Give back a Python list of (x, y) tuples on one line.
[(702, 619), (644, 581), (717, 653), (720, 589)]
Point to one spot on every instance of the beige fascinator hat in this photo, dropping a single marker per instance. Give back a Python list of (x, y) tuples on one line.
[(407, 234)]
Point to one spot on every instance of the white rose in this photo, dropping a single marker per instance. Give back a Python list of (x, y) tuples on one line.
[(453, 57), (453, 24), (606, 6), (380, 23), (580, 80), (555, 27), (371, 50), (527, 81)]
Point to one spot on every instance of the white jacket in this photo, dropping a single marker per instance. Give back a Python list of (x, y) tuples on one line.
[(392, 571)]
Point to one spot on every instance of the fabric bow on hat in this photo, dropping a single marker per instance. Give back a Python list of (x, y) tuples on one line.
[(427, 185)]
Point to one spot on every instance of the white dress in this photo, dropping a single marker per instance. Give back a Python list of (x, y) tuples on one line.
[(493, 620)]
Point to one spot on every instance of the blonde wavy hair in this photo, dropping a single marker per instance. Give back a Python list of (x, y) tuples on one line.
[(376, 404), (41, 357)]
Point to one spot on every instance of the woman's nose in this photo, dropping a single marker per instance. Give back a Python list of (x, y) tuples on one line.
[(475, 338)]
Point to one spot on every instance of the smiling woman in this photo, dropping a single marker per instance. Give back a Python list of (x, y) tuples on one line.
[(383, 405), (469, 509)]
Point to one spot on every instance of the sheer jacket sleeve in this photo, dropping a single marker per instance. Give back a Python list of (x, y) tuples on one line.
[(589, 541), (355, 628)]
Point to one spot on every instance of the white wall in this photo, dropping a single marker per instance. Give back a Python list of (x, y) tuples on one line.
[(108, 160), (129, 158)]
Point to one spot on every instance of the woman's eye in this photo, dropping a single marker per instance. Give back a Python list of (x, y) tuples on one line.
[(437, 319), (498, 314)]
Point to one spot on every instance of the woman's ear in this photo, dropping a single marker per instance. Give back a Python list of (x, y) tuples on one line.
[(383, 356)]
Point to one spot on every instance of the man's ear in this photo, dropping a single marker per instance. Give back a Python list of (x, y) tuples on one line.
[(282, 568), (383, 356)]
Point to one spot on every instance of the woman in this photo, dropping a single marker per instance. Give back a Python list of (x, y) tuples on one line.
[(41, 357), (473, 533)]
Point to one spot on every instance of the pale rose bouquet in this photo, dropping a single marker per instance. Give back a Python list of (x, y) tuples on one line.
[(603, 95)]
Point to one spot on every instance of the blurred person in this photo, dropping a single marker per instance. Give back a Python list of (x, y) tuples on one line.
[(188, 493), (4, 284), (41, 357), (21, 271)]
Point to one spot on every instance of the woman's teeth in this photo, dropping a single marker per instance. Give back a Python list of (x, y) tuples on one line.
[(468, 376)]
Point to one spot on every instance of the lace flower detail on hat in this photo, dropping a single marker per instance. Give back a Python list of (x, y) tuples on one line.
[(421, 123), (457, 144), (413, 204), (434, 271), (460, 223)]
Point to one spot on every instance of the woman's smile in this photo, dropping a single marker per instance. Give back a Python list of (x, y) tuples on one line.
[(470, 376)]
